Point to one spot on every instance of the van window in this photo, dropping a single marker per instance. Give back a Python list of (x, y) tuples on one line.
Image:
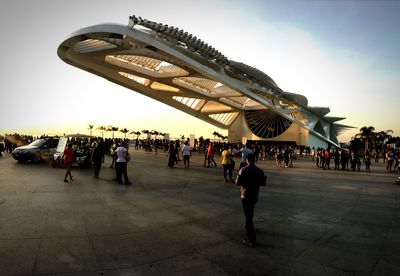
[(38, 143), (53, 143)]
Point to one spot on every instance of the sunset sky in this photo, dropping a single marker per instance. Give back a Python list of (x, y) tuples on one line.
[(340, 54)]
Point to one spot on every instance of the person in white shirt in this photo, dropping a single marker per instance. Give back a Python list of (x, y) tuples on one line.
[(120, 164), (186, 152)]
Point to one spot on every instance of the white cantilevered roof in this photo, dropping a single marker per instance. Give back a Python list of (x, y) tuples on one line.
[(174, 67)]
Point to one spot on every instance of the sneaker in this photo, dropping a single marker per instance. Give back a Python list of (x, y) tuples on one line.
[(65, 180), (248, 243)]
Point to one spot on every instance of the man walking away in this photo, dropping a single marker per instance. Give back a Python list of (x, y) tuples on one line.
[(250, 178), (245, 152)]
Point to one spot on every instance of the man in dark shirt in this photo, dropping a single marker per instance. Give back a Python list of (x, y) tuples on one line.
[(250, 178)]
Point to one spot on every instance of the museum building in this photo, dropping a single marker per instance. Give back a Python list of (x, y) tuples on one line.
[(174, 67)]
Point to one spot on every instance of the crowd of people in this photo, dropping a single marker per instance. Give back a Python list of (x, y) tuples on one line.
[(348, 159), (176, 151), (95, 152), (331, 158), (248, 177)]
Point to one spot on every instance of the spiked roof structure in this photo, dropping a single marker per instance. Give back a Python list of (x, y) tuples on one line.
[(172, 66)]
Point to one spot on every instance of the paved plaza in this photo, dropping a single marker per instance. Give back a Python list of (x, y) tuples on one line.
[(189, 222)]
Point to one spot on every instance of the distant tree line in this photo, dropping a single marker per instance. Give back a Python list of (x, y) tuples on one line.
[(369, 139)]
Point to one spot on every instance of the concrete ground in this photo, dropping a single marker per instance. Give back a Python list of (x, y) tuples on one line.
[(189, 222)]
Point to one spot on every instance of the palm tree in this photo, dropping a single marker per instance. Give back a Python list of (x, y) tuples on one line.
[(136, 133), (102, 129), (394, 140), (219, 135), (382, 136), (91, 127), (124, 131), (366, 134), (145, 131), (215, 134), (113, 129), (155, 133), (356, 144)]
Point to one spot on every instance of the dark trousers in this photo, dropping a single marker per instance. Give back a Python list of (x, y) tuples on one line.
[(120, 167), (114, 158), (248, 208), (228, 171), (210, 159), (97, 167), (205, 159), (336, 164), (327, 162)]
